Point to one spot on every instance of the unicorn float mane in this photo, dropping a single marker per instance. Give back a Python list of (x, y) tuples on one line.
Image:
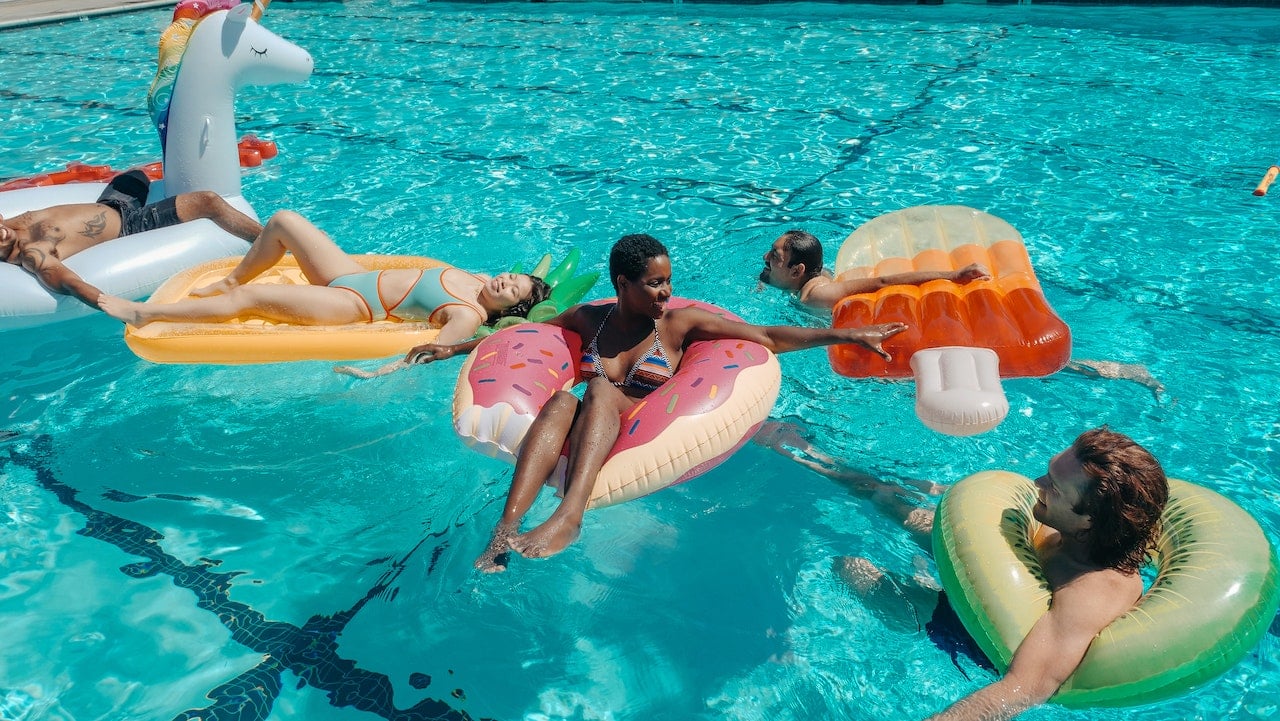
[(173, 44), (211, 50)]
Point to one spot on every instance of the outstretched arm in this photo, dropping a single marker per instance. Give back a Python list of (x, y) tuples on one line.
[(1050, 653), (431, 352), (421, 354), (1117, 371), (449, 343), (701, 325), (824, 293), (59, 278)]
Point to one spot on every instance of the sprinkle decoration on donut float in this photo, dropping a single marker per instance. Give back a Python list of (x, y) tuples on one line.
[(721, 393), (1215, 591), (1008, 314)]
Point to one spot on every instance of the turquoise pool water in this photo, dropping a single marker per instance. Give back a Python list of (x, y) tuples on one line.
[(279, 542)]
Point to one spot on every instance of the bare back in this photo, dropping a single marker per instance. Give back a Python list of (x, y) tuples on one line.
[(1112, 592)]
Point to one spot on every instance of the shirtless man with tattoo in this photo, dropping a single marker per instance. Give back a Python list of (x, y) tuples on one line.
[(39, 240)]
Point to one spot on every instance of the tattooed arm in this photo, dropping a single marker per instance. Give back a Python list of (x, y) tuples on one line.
[(57, 277)]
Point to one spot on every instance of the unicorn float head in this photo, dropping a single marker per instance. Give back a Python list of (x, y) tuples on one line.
[(210, 50)]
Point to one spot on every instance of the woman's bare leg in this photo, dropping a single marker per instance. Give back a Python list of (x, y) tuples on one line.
[(590, 441), (538, 458), (320, 259), (298, 304)]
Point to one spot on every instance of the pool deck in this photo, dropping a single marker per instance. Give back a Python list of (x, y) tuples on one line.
[(16, 13)]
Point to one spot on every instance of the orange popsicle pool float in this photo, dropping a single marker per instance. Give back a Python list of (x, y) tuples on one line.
[(1008, 314)]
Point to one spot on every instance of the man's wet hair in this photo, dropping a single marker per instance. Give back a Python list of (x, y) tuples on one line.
[(803, 247), (631, 255), (1127, 496), (541, 291)]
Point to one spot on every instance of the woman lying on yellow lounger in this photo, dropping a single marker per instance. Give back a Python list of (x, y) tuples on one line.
[(341, 290)]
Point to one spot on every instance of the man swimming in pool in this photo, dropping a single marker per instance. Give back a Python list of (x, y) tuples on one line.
[(39, 240), (794, 264), (1100, 503)]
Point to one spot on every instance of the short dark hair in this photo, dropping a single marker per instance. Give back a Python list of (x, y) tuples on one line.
[(541, 291), (803, 247), (1124, 502), (631, 255)]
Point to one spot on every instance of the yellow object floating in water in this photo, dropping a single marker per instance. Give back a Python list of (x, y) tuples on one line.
[(1214, 595), (253, 340)]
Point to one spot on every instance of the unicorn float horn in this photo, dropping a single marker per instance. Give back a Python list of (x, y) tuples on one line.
[(227, 49)]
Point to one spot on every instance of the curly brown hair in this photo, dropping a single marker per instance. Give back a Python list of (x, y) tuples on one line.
[(1125, 500)]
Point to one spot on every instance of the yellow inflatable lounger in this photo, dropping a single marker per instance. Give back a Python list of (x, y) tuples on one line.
[(1214, 594), (258, 341)]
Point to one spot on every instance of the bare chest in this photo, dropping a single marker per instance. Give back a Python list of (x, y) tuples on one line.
[(65, 230)]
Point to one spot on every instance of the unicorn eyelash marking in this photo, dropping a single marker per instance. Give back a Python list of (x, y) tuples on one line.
[(255, 51)]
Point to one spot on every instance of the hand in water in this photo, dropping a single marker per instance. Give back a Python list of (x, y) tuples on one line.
[(392, 367)]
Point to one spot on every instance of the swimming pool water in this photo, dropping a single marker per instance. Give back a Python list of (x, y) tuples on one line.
[(279, 542)]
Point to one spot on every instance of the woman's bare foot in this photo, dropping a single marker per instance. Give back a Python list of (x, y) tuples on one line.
[(126, 310), (494, 558), (222, 287), (553, 536), (871, 337)]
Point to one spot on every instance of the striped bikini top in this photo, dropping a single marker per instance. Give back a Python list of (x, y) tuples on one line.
[(646, 376)]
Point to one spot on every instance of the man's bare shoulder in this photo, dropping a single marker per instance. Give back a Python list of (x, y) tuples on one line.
[(819, 293), (24, 219), (1096, 596)]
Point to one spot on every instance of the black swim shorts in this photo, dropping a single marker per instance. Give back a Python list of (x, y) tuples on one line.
[(948, 633), (127, 195)]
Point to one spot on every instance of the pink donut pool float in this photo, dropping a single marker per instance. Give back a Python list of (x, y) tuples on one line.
[(720, 394)]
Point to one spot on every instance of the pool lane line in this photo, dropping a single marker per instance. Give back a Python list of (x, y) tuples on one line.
[(310, 652)]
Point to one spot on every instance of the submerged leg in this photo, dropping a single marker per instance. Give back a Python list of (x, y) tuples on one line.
[(1118, 371), (537, 459), (591, 439)]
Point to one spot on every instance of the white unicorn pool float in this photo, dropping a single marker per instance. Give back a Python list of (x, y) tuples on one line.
[(211, 50)]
